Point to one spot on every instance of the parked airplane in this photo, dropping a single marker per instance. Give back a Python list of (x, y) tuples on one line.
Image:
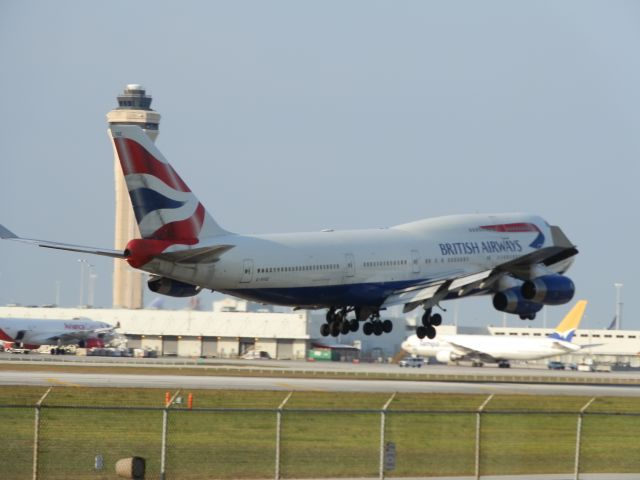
[(30, 333), (500, 349), (518, 258)]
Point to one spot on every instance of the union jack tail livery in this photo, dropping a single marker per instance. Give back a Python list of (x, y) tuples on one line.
[(164, 206)]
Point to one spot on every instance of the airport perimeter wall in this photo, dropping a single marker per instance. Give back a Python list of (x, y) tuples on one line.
[(179, 441)]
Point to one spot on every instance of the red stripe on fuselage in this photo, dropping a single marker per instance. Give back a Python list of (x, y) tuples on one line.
[(134, 158), (512, 227)]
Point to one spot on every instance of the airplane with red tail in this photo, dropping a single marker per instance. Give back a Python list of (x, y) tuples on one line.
[(519, 259), (31, 333)]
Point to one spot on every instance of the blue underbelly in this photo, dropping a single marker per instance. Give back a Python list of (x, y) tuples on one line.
[(358, 294)]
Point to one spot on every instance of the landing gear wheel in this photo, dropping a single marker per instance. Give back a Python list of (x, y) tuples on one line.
[(431, 332), (354, 325), (426, 317), (377, 328), (330, 315), (387, 326), (345, 327), (421, 332), (436, 319), (367, 328), (335, 329), (325, 330)]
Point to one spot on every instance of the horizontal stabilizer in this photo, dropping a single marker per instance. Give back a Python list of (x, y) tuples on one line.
[(7, 234)]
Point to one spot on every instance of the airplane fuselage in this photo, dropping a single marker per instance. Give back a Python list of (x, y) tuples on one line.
[(36, 331), (497, 347), (358, 267)]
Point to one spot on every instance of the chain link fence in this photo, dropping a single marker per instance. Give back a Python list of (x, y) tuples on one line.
[(178, 441)]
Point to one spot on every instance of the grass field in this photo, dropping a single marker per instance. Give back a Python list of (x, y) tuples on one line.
[(434, 434)]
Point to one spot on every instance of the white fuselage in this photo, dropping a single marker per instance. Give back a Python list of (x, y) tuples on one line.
[(358, 267), (41, 331), (496, 347)]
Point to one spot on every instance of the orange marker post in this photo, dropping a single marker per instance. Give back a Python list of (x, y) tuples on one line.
[(167, 399), (190, 401)]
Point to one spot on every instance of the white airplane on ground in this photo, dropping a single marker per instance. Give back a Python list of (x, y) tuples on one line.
[(500, 349), (517, 258), (30, 333)]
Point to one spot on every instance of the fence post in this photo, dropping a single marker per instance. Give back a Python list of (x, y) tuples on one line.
[(165, 421), (579, 437), (478, 428), (36, 434), (278, 430), (383, 421)]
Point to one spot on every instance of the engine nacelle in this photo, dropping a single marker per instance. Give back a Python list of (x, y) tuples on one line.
[(446, 356), (511, 301), (172, 288), (549, 290)]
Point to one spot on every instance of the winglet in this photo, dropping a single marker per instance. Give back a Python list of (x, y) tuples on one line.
[(6, 233), (566, 329)]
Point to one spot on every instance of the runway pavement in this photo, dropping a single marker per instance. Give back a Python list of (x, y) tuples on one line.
[(263, 383)]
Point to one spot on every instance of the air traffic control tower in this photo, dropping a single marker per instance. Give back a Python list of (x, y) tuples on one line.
[(134, 108)]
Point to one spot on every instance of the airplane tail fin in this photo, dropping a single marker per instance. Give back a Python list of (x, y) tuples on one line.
[(566, 329), (164, 206)]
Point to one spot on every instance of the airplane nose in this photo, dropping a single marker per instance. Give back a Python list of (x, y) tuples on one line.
[(405, 346)]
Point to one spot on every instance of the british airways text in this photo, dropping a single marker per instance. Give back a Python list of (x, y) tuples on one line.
[(469, 248)]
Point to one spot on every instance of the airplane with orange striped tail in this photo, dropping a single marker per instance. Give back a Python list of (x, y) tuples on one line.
[(519, 259)]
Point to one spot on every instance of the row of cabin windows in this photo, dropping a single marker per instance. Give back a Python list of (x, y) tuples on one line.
[(457, 259), (385, 263), (299, 268)]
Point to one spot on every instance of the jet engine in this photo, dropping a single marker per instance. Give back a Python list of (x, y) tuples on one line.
[(512, 301), (446, 356), (549, 290), (172, 288)]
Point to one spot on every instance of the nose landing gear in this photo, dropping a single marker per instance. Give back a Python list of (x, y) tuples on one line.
[(429, 322)]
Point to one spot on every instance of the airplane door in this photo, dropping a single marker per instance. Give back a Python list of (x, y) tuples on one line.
[(351, 264), (247, 270), (415, 261)]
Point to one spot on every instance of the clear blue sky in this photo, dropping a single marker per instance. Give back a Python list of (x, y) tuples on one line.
[(293, 116)]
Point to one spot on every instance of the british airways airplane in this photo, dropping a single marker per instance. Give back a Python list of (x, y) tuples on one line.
[(517, 258)]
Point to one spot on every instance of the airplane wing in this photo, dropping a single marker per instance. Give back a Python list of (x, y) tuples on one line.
[(468, 351), (461, 283), (7, 234), (437, 290)]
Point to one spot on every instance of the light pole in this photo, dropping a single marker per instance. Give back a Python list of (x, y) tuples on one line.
[(57, 293), (618, 305), (92, 280), (82, 263)]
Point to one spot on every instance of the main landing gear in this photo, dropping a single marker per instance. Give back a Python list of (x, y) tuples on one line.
[(338, 323), (429, 322)]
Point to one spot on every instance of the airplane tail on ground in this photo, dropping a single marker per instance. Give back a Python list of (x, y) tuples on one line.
[(164, 206), (566, 329)]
